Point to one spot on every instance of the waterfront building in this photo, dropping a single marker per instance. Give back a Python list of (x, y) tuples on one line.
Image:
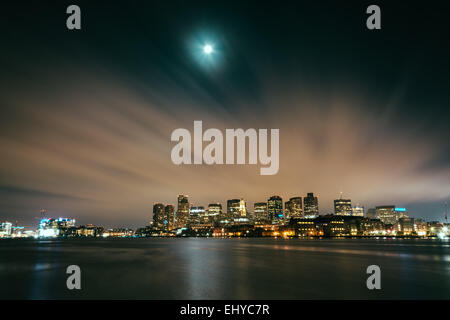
[(5, 229), (86, 231), (332, 226), (372, 227), (49, 227), (435, 228), (420, 227), (405, 226), (304, 227)]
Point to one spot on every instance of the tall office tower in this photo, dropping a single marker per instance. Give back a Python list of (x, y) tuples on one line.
[(169, 212), (342, 207), (358, 211), (310, 206), (196, 216), (236, 209), (260, 212), (287, 209), (182, 215), (214, 209), (159, 216), (275, 209), (296, 207), (214, 213), (386, 214)]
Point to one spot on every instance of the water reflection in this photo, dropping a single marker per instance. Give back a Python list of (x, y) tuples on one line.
[(224, 269)]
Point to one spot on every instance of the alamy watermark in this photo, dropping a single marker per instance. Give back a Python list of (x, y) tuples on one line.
[(213, 153)]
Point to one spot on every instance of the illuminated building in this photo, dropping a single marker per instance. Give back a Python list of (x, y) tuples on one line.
[(304, 227), (54, 227), (372, 227), (358, 211), (310, 206), (236, 209), (159, 216), (296, 207), (386, 214), (89, 231), (196, 215), (260, 212), (169, 212), (275, 209), (421, 227), (390, 214), (332, 226), (405, 226), (182, 215), (118, 233), (342, 207), (214, 213), (287, 209), (435, 228), (17, 232), (401, 213), (214, 209), (5, 229)]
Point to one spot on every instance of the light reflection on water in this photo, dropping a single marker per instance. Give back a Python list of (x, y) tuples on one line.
[(224, 269)]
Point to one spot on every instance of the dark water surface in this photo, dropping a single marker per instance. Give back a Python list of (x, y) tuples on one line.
[(224, 268)]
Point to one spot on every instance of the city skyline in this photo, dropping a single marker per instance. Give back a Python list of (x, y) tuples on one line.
[(356, 209), (87, 115)]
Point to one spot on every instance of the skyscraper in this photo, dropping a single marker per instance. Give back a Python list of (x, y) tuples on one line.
[(169, 212), (182, 215), (358, 211), (260, 212), (287, 209), (275, 209), (236, 209), (295, 207), (214, 212), (196, 216), (159, 216), (311, 206), (386, 214), (342, 207), (214, 209)]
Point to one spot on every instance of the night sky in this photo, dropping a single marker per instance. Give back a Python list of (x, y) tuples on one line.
[(86, 116)]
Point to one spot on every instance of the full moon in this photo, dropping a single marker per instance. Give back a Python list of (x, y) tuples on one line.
[(208, 49)]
